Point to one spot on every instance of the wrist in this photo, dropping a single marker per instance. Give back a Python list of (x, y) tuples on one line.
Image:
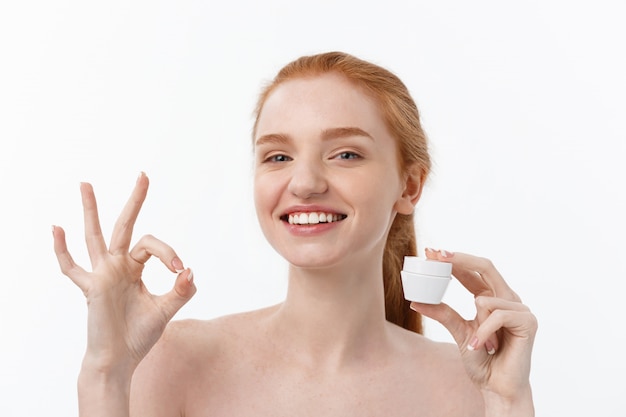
[(107, 365), (519, 405), (103, 391)]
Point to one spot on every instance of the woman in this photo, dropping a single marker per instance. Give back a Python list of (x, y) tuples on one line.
[(340, 163)]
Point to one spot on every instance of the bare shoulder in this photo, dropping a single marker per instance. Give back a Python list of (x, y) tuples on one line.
[(436, 368), (444, 355), (192, 337), (204, 339), (186, 352)]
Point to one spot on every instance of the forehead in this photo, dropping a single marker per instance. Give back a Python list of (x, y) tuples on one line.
[(319, 102)]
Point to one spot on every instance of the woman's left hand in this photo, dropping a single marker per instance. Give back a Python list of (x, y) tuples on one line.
[(496, 345)]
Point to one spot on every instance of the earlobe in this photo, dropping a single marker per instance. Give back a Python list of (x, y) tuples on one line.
[(412, 190)]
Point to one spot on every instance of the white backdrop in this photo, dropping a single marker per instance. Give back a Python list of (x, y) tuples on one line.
[(523, 102)]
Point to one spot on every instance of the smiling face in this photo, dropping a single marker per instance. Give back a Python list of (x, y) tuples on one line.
[(327, 178)]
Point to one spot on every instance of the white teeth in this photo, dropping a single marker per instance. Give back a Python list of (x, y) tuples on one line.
[(312, 218)]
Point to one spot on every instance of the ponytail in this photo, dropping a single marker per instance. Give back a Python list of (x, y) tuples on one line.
[(401, 242)]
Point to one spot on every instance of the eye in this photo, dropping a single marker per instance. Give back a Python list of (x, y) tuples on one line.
[(278, 158), (348, 155)]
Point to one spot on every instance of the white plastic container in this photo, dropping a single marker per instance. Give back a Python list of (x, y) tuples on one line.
[(425, 281)]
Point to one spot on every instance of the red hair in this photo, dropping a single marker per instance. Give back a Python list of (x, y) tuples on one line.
[(402, 119)]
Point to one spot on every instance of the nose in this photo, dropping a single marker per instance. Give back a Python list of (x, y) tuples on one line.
[(307, 178)]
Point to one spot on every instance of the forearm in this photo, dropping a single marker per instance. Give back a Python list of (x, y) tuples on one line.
[(103, 394), (520, 406)]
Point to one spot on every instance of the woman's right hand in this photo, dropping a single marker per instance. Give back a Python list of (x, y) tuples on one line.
[(124, 319)]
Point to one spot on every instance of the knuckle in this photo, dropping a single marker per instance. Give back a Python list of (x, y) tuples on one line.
[(516, 297), (71, 272), (66, 267), (484, 264), (123, 223), (481, 301), (146, 240), (499, 315), (510, 295)]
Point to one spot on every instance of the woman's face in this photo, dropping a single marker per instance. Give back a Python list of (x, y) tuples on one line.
[(327, 182)]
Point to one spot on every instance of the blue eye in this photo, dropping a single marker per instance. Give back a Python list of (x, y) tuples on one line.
[(348, 155), (278, 158)]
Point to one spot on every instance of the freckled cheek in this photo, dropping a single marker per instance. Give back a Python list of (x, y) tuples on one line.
[(260, 198), (258, 194), (381, 189), (265, 197)]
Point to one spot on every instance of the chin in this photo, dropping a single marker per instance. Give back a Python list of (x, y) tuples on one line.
[(317, 261)]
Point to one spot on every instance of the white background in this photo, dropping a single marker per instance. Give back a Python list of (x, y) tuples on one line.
[(524, 103)]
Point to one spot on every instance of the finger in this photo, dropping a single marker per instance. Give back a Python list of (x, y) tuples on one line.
[(477, 274), (96, 246), (448, 317), (149, 246), (483, 310), (497, 314), (184, 289), (478, 285), (431, 254), (68, 267), (469, 279), (123, 230), (517, 323), (472, 281)]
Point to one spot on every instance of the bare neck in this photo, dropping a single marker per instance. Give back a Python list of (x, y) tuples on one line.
[(334, 316)]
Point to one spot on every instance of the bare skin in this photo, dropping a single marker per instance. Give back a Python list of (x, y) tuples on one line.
[(321, 148), (236, 366)]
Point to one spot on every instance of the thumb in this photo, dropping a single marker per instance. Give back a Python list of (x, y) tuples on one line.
[(447, 316), (184, 289)]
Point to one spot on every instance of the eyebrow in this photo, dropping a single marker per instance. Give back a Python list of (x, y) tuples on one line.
[(275, 138), (344, 132), (327, 134)]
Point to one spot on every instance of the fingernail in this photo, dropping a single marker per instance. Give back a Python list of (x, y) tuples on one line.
[(141, 175), (53, 227), (412, 307), (429, 250), (190, 276), (473, 343), (177, 264), (447, 254), (490, 348)]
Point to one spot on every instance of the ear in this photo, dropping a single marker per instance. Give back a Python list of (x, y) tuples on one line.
[(413, 179)]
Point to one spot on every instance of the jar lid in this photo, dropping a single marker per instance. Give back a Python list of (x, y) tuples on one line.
[(417, 265)]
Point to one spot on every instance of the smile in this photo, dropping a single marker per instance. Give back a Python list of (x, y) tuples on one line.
[(313, 218)]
